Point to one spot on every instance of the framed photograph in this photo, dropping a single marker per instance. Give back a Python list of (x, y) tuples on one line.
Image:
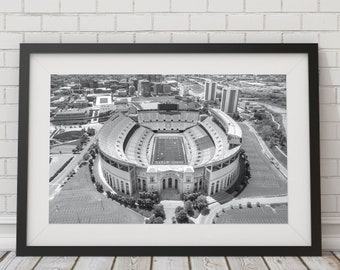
[(168, 150)]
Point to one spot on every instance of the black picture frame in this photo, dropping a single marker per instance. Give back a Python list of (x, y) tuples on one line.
[(26, 50)]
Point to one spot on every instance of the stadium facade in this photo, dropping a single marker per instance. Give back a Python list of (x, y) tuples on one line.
[(168, 148)]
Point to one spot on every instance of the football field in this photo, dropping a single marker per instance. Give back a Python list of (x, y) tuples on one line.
[(168, 150)]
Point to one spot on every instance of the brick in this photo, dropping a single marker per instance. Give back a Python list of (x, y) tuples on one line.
[(329, 40), (60, 23), (338, 134), (9, 76), (23, 23), (115, 6), (10, 40), (77, 7), (300, 37), (327, 131), (245, 22), (45, 37), (10, 6), (151, 37), (115, 37), (171, 22), (2, 203), (330, 149), (282, 22), (152, 5), (226, 37), (12, 59), (301, 5), (2, 59), (328, 203), (42, 6), (328, 167), (2, 162), (8, 148), (330, 76), (225, 6), (8, 113), (11, 204), (2, 25), (263, 5), (338, 94), (11, 166), (329, 112), (12, 95), (327, 95), (79, 38), (134, 22), (11, 131), (208, 22), (189, 6), (330, 5), (2, 95), (260, 37), (191, 37), (327, 58), (330, 186), (319, 22), (97, 23), (2, 133)]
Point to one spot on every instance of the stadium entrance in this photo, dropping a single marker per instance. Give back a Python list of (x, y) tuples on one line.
[(169, 183)]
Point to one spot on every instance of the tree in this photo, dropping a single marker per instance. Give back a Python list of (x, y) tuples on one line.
[(201, 202), (157, 220), (158, 211), (181, 217), (189, 208)]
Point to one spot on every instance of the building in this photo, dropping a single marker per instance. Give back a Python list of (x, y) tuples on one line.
[(157, 88), (144, 88), (71, 117), (229, 100), (135, 153), (209, 90)]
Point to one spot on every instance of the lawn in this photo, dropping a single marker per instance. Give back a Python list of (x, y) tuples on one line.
[(80, 202)]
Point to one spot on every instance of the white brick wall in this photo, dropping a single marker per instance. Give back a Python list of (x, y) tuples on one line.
[(173, 21)]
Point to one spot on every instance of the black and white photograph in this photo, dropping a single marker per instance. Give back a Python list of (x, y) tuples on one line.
[(168, 149)]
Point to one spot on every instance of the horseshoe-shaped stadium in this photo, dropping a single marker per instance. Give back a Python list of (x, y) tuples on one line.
[(168, 148)]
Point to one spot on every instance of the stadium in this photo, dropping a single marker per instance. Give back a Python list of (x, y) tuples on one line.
[(165, 148)]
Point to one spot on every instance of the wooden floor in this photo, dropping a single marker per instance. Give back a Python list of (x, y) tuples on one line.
[(330, 260)]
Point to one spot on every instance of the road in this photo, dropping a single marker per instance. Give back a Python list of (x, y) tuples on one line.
[(54, 186), (266, 150)]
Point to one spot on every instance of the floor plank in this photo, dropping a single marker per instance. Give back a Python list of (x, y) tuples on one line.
[(11, 262), (2, 253), (285, 263), (94, 263), (327, 262), (170, 263), (132, 263), (246, 263), (208, 263), (60, 263)]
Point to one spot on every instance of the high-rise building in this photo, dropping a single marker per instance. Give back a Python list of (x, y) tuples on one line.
[(229, 100), (209, 90), (144, 88), (157, 88)]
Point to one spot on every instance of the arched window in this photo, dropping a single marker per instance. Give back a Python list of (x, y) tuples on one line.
[(122, 186)]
